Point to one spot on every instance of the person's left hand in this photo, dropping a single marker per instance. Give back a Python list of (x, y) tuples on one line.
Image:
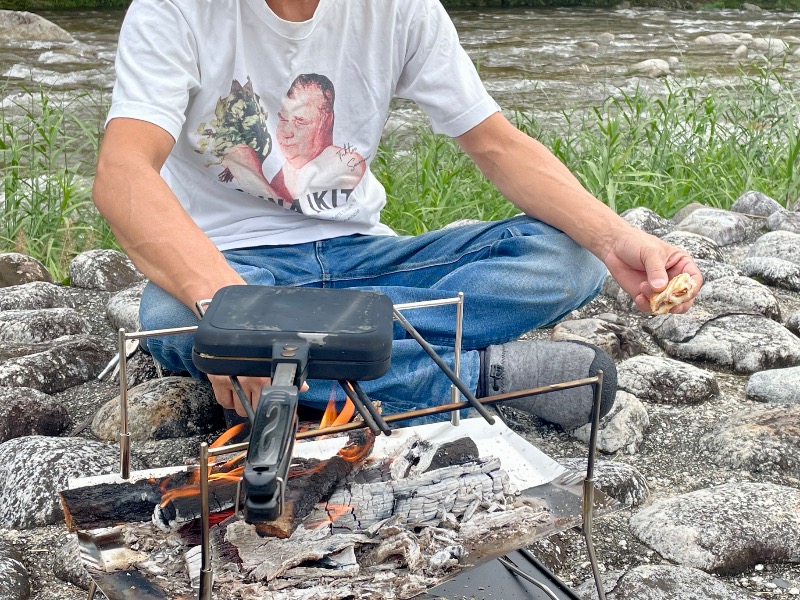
[(642, 264)]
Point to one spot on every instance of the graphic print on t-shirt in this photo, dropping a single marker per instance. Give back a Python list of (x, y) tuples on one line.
[(317, 175)]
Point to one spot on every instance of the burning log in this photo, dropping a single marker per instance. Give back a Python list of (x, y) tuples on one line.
[(312, 481)]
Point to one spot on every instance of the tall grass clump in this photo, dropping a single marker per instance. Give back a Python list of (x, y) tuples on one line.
[(47, 155), (696, 142)]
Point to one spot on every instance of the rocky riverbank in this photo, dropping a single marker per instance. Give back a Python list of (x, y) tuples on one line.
[(702, 448)]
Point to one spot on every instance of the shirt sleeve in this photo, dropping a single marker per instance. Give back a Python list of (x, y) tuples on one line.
[(156, 66), (439, 76)]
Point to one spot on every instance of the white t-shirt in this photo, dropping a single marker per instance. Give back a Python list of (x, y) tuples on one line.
[(254, 164)]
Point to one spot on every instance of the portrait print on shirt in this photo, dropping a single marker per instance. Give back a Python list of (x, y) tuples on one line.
[(317, 175)]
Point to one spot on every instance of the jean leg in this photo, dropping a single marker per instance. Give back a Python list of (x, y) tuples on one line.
[(517, 275)]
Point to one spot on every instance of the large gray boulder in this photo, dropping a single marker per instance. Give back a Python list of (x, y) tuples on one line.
[(17, 269), (162, 408), (25, 26), (724, 529), (34, 469)]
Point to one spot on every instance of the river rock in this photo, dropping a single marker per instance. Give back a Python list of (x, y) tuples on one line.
[(775, 385), (793, 323), (25, 26), (666, 381), (36, 294), (698, 246), (67, 562), (663, 582), (717, 39), (621, 481), (16, 269), (744, 343), (723, 226), (756, 203), (742, 52), (25, 411), (761, 439), (107, 270), (784, 221), (622, 429), (40, 325), (14, 577), (649, 221), (652, 67), (123, 307), (65, 364), (724, 529), (740, 294), (34, 469), (771, 47), (162, 408), (773, 271), (712, 270), (783, 245), (617, 340)]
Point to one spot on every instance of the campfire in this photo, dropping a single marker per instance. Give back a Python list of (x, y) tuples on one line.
[(365, 517)]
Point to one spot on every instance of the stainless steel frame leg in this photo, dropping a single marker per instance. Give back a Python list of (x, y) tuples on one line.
[(588, 488)]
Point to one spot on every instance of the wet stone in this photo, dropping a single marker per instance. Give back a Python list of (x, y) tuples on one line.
[(171, 407), (649, 221), (33, 470), (622, 429), (698, 246), (761, 440), (21, 25), (744, 343), (740, 293), (14, 577), (40, 325), (664, 582), (123, 308), (756, 203), (25, 411), (617, 340), (17, 269), (723, 226), (775, 385), (36, 294), (666, 381), (621, 481), (70, 362), (106, 270), (724, 529)]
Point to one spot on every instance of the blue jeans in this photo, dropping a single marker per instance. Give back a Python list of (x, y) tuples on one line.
[(516, 275)]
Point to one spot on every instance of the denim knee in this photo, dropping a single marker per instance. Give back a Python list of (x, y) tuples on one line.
[(160, 310)]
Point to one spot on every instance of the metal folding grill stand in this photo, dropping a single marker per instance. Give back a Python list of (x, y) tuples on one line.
[(533, 580)]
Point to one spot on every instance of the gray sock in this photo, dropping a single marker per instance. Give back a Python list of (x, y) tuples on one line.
[(527, 364)]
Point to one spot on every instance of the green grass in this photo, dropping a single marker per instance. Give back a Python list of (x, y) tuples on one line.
[(694, 143), (47, 156)]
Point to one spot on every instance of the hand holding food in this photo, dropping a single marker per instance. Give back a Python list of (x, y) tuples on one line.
[(678, 290)]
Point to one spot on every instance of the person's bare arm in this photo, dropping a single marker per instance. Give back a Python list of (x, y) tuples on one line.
[(147, 219), (531, 177), (156, 232)]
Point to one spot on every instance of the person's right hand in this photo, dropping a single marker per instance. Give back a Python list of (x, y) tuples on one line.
[(228, 398)]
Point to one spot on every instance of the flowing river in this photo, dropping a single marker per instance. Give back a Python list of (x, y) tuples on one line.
[(531, 59)]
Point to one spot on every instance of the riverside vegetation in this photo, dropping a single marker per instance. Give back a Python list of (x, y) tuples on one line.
[(695, 143)]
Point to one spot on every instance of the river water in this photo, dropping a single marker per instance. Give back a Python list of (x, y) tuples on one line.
[(530, 59)]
